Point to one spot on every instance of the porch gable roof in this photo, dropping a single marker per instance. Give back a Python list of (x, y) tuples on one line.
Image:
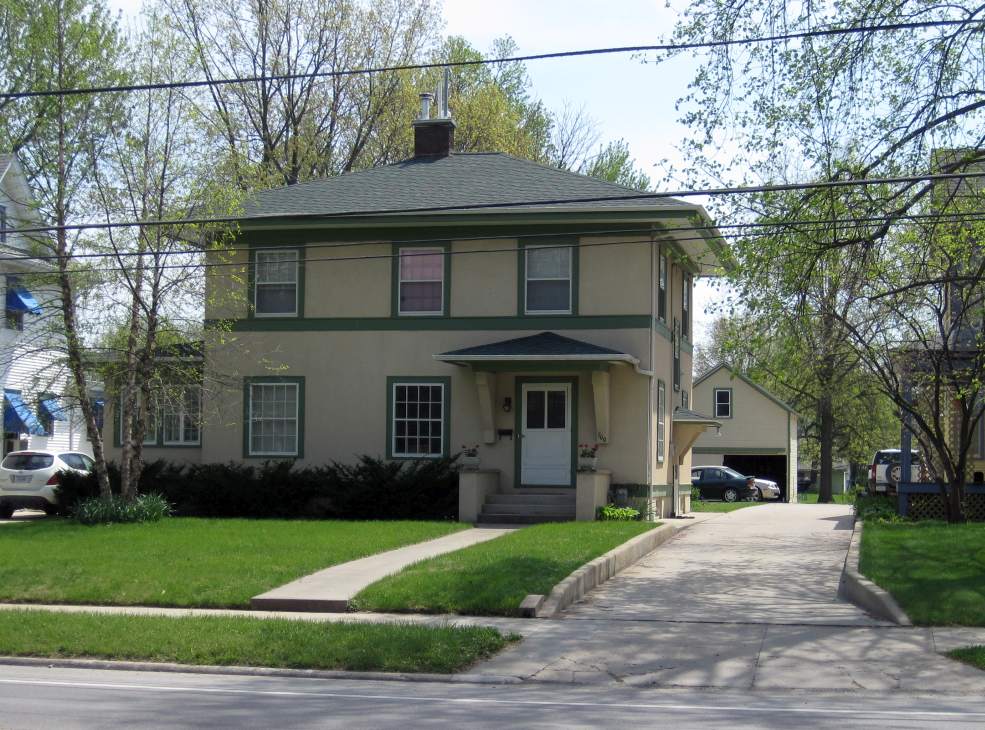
[(543, 347)]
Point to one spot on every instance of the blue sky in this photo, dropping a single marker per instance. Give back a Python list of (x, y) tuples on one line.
[(628, 99)]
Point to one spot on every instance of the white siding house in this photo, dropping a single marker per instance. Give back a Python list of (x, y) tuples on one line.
[(38, 411)]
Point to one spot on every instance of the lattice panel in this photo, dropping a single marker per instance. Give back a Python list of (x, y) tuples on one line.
[(932, 507)]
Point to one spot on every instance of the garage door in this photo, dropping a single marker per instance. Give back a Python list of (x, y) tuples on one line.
[(764, 466)]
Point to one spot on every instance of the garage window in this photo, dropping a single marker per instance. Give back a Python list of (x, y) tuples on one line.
[(723, 402)]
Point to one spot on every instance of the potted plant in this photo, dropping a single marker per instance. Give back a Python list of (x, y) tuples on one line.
[(469, 458), (588, 459)]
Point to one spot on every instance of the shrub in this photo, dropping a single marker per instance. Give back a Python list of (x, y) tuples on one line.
[(876, 508), (97, 511), (695, 494), (611, 513), (371, 488)]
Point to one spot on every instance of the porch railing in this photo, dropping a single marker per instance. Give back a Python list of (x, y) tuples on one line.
[(925, 501)]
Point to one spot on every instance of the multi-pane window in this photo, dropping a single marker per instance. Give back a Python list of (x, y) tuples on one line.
[(661, 419), (418, 427), (685, 303), (274, 410), (664, 265), (548, 279), (723, 402), (276, 283), (150, 421), (180, 416), (422, 285)]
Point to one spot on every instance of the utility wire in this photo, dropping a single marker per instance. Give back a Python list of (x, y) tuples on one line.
[(521, 204), (819, 33)]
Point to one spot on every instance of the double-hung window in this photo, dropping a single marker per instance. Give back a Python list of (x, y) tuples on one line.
[(685, 303), (664, 265), (273, 411), (549, 280), (275, 288), (418, 418), (723, 402), (181, 416), (421, 273), (150, 421), (661, 419)]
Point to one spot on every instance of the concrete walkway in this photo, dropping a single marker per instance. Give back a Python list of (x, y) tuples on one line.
[(332, 589)]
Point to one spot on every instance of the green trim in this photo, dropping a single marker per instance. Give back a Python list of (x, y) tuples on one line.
[(714, 404), (465, 324), (521, 268), (260, 379), (744, 451), (518, 427), (536, 366), (251, 283), (663, 296), (395, 250), (445, 413), (662, 490)]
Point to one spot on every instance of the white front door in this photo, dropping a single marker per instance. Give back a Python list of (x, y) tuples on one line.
[(545, 435)]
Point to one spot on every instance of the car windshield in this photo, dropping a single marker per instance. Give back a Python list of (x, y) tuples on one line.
[(28, 462), (732, 473)]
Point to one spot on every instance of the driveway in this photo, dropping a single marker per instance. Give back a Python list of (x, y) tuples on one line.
[(744, 600)]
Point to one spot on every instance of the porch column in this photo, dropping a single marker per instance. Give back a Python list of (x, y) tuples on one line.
[(485, 385), (600, 390)]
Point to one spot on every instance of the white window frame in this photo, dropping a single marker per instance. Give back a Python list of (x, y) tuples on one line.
[(420, 251), (663, 284), (394, 418), (296, 419), (153, 426), (570, 278), (685, 303), (257, 283), (727, 403), (182, 414), (661, 420)]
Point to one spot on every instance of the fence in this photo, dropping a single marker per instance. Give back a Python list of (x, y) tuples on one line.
[(925, 501)]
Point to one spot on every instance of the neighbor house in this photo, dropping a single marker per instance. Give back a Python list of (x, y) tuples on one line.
[(758, 435), (459, 300), (38, 410)]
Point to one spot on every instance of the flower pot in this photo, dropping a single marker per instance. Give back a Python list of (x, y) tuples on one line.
[(588, 463), (469, 463)]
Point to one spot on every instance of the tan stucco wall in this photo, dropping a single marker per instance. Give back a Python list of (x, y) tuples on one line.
[(484, 285), (614, 279)]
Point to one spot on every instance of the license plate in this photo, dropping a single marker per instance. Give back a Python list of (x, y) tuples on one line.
[(880, 487), (21, 478)]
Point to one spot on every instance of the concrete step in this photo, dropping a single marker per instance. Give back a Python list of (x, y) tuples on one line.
[(529, 509), (499, 519), (558, 499)]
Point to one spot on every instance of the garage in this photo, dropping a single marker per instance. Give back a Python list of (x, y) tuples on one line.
[(764, 466)]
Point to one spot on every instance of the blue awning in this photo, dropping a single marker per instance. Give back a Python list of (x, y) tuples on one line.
[(54, 408), (17, 417), (21, 300)]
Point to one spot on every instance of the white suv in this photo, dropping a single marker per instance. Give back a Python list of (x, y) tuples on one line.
[(28, 479), (885, 472)]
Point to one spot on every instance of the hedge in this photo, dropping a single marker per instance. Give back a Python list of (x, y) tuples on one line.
[(372, 489)]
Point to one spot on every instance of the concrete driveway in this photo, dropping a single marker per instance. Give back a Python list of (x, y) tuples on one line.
[(744, 600)]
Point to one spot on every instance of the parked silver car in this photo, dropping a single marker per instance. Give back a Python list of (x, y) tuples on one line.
[(768, 489), (28, 479)]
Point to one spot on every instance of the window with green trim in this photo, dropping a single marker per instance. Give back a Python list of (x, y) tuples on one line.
[(421, 283), (685, 303), (274, 423), (275, 283), (548, 273), (418, 429), (661, 419), (150, 416), (663, 264), (181, 416)]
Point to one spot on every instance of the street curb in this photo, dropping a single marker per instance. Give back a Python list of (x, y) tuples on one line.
[(237, 671), (598, 571), (861, 591)]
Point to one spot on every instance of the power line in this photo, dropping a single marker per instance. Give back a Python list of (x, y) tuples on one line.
[(823, 222), (529, 204), (801, 35)]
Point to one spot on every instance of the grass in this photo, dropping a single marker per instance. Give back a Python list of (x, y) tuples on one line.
[(492, 578), (224, 641), (935, 571), (705, 506), (184, 561), (973, 655), (811, 498)]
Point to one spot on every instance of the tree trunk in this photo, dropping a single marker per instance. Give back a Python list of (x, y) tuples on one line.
[(826, 419)]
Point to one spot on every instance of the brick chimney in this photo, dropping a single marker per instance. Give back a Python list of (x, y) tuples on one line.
[(434, 137)]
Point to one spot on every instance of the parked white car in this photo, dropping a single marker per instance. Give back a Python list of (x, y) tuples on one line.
[(768, 489), (28, 478)]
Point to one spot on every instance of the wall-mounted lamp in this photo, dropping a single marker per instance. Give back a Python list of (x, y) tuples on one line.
[(507, 404)]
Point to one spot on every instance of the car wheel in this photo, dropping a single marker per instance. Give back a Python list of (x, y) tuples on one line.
[(730, 495), (6, 511), (757, 496)]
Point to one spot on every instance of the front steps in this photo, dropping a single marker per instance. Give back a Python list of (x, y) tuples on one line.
[(528, 509)]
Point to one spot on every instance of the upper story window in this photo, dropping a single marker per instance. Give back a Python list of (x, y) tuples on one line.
[(421, 281), (276, 277), (664, 265), (685, 303), (3, 223), (723, 402), (548, 285)]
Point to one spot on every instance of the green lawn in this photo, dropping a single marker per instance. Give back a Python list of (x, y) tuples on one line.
[(492, 578), (935, 571), (973, 655), (705, 506), (184, 561), (811, 498), (239, 641)]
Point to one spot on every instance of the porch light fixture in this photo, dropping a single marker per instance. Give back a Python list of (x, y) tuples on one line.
[(507, 404)]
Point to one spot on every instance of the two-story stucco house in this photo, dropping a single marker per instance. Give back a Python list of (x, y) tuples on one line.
[(36, 413), (459, 299)]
